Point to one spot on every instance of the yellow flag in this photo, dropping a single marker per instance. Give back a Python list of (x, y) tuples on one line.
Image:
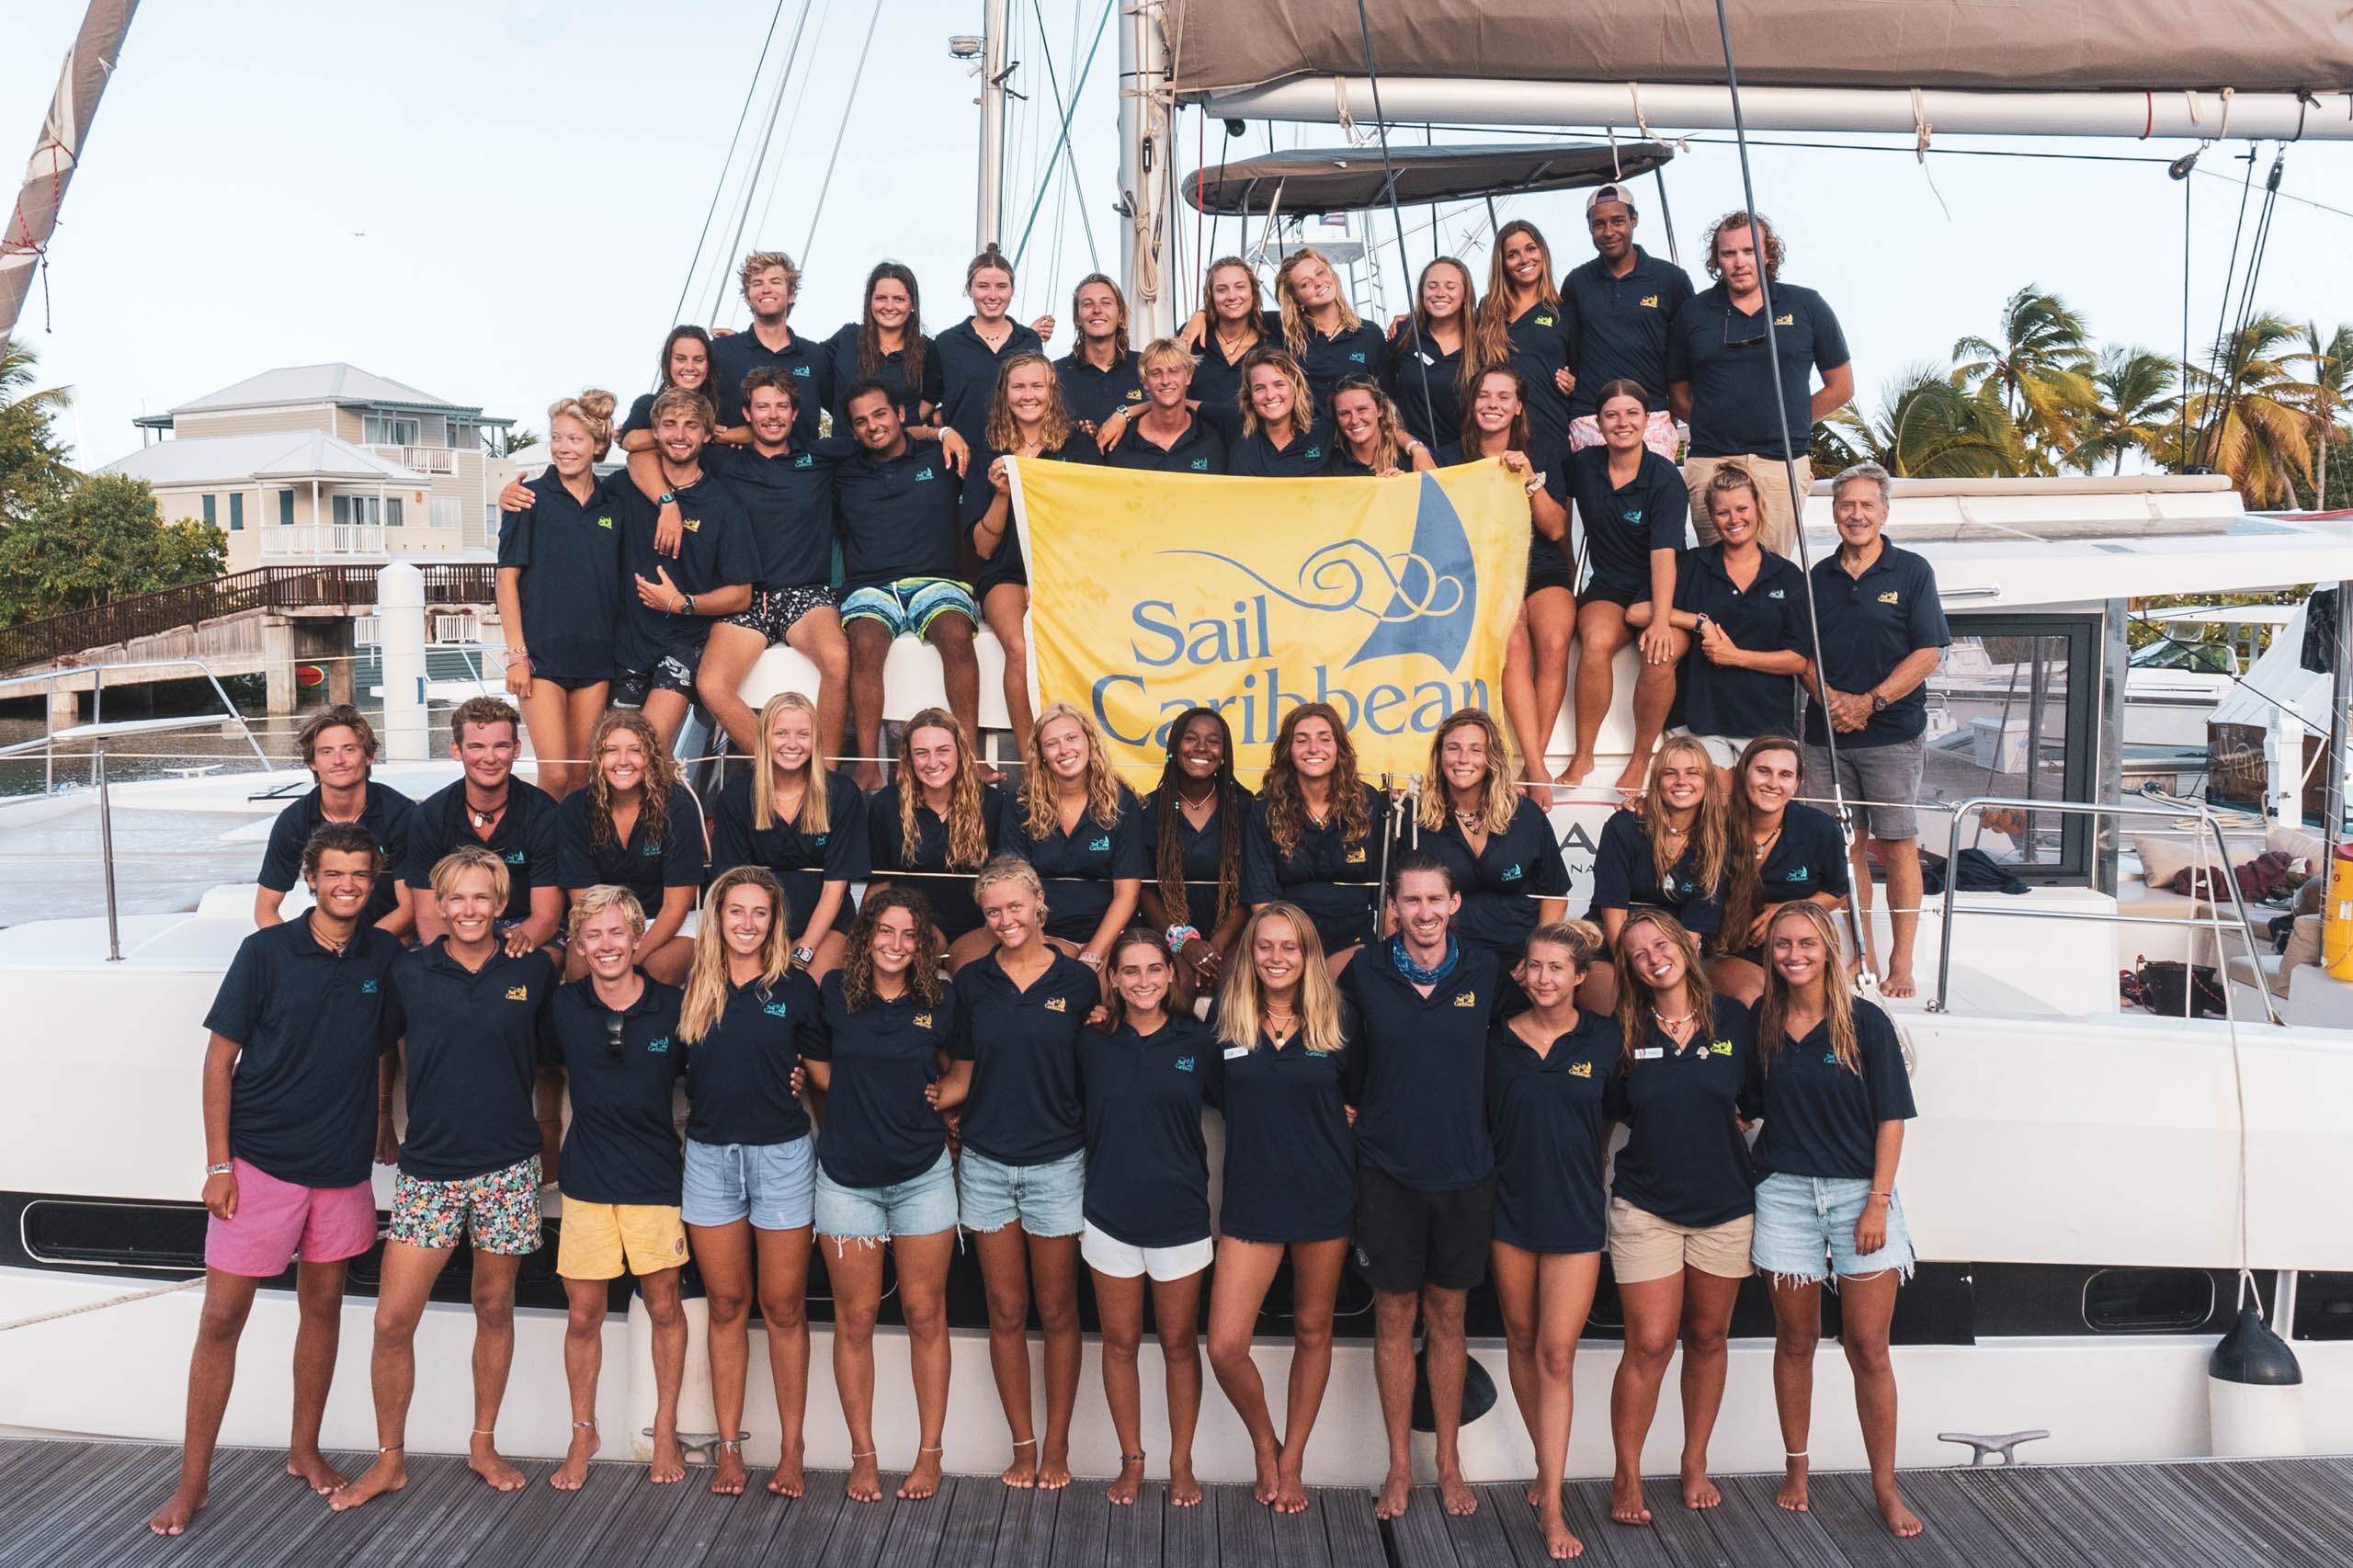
[(1389, 599)]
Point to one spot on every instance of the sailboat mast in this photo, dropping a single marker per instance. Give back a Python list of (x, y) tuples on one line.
[(24, 236), (994, 16), (1145, 152)]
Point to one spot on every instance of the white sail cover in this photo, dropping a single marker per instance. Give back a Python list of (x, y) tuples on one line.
[(2281, 46), (25, 228)]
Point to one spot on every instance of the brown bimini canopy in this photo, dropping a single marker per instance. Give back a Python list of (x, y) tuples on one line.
[(1352, 180)]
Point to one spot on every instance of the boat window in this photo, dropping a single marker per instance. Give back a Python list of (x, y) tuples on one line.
[(2323, 1306), (2012, 713), (2148, 1300), (2196, 658), (117, 1235)]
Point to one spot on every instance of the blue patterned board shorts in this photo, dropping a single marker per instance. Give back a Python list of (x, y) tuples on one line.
[(911, 604), (501, 1209)]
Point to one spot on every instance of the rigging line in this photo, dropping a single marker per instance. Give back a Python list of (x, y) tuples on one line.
[(679, 309), (1789, 461), (2182, 403), (2237, 343), (793, 125), (1397, 218), (2215, 357), (1070, 158), (839, 135), (1061, 142), (759, 160)]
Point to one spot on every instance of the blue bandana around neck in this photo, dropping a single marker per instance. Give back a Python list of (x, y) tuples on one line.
[(1416, 973)]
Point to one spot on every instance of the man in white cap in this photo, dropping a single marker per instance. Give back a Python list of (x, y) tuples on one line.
[(1619, 305)]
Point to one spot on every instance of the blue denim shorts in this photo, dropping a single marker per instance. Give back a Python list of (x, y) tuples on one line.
[(1047, 1200), (920, 1206), (1805, 1230), (768, 1184)]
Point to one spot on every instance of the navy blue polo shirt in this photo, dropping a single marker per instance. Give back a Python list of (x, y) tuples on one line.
[(1079, 867), (803, 862), (891, 370), (1093, 394), (900, 517), (1006, 566), (1822, 1120), (1023, 1108), (524, 837), (739, 354), (639, 416), (1617, 326), (1547, 562), (1311, 875), (1685, 1160), (715, 551), (1502, 885), (645, 863), (310, 1024), (1551, 1133), (1197, 851), (788, 502), (1622, 525), (1418, 1068), (1721, 351), (892, 858), (1147, 1161), (622, 1146), (1766, 616), (1290, 1157), (568, 557), (1426, 383), (384, 811), (1625, 875), (1308, 456), (739, 1075), (1539, 348), (1809, 857), (1330, 359), (879, 1131), (1869, 624), (1200, 450), (969, 369), (1218, 380), (472, 1052)]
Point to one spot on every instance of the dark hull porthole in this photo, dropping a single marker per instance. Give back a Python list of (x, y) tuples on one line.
[(2148, 1300)]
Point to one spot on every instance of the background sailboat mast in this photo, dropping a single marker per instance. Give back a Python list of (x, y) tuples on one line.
[(23, 233), (994, 18), (1145, 156)]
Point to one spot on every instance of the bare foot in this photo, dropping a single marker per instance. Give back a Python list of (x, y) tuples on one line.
[(573, 1473), (728, 1476), (1396, 1495), (786, 1482), (865, 1483), (1898, 981), (1699, 1492), (310, 1467), (1901, 1520), (1536, 1494), (1460, 1500), (1290, 1492), (1637, 774), (1558, 1544), (1124, 1490), (1626, 1503), (1792, 1495), (1023, 1472), (669, 1461), (1579, 766), (1053, 1468), (1183, 1492), (389, 1473), (1269, 1484), (484, 1459), (174, 1516), (923, 1480)]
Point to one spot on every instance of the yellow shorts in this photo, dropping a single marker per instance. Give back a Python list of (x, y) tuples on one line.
[(1644, 1246), (596, 1237)]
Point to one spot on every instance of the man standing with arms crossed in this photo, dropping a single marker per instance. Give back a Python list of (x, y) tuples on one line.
[(301, 1031)]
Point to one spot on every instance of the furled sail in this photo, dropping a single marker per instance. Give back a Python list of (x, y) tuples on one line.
[(24, 230)]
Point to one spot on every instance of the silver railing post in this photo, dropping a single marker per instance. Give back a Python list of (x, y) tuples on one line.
[(106, 853), (1944, 936)]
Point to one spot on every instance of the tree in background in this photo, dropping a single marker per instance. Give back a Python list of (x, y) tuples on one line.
[(98, 540), (2329, 396), (512, 441), (2249, 418), (2133, 404), (33, 468), (1929, 426), (2040, 368)]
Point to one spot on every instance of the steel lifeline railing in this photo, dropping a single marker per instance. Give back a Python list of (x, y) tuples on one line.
[(2204, 820)]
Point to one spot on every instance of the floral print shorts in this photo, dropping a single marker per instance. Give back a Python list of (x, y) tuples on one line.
[(501, 1211)]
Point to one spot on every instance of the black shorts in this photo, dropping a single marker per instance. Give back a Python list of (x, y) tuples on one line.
[(570, 683), (1539, 581), (672, 672), (776, 611), (1407, 1238), (1608, 590)]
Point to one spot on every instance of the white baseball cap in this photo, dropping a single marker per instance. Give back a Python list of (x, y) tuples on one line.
[(1614, 191)]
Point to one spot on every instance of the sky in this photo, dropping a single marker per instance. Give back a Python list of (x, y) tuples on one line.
[(499, 201)]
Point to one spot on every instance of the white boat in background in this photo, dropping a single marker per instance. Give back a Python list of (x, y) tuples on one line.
[(2178, 679)]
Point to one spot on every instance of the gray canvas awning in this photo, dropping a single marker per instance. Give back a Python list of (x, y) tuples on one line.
[(1353, 179)]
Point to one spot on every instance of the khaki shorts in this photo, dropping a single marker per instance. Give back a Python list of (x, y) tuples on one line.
[(596, 1237), (1644, 1246), (1780, 533)]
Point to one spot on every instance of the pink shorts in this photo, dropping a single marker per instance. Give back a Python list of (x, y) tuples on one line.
[(277, 1221), (1659, 435)]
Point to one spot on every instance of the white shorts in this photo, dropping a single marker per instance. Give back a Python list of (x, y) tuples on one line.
[(1722, 750), (1106, 1253)]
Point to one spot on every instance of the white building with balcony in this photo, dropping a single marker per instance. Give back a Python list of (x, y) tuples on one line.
[(327, 462)]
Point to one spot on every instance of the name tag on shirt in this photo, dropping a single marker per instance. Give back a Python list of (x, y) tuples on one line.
[(1232, 1052), (1649, 1052)]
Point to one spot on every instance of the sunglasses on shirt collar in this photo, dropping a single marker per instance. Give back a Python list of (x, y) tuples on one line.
[(614, 1024)]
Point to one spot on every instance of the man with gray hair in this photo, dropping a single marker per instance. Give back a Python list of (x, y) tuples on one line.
[(1882, 631)]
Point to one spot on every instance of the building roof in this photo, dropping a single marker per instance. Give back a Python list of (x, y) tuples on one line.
[(272, 455), (338, 382)]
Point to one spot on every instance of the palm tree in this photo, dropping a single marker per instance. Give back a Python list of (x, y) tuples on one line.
[(2249, 418), (2040, 370), (1930, 427), (2135, 402), (2331, 392), (32, 463)]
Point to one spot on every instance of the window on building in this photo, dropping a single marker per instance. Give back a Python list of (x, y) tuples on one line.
[(286, 508), (237, 512), (448, 512), (210, 519), (393, 516), (490, 523), (354, 510), (387, 430)]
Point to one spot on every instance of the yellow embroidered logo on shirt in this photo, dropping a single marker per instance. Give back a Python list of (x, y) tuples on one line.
[(692, 525), (1721, 1048), (1650, 301), (1785, 321), (923, 1020), (1543, 321), (519, 993), (1356, 855), (1581, 1070), (1467, 999), (1057, 1005), (1889, 598)]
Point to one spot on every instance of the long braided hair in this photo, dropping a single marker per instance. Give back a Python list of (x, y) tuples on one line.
[(1168, 853)]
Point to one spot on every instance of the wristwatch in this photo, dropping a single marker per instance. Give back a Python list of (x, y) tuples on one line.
[(1879, 703), (667, 498), (803, 955)]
